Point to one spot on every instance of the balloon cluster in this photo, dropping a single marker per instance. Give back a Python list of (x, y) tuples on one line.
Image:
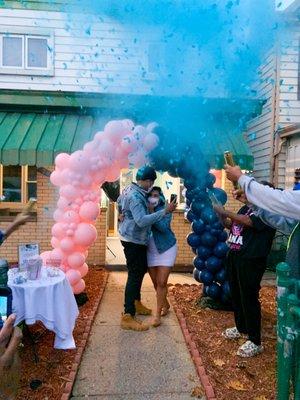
[(208, 239), (79, 177)]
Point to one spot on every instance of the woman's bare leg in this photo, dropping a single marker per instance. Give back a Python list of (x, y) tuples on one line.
[(153, 274), (161, 292)]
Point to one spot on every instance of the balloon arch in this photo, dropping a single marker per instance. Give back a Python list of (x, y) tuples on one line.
[(125, 145)]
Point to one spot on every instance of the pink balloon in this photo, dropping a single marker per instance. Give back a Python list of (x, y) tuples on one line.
[(56, 178), (114, 130), (58, 230), (63, 203), (128, 144), (45, 256), (70, 232), (55, 242), (58, 215), (85, 234), (69, 192), (89, 211), (150, 142), (73, 276), (62, 160), (83, 270), (57, 255), (107, 149), (79, 162), (71, 217), (67, 245), (78, 287), (113, 173), (76, 260)]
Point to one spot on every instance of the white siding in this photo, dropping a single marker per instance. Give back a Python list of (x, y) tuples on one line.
[(260, 128), (91, 55), (288, 110)]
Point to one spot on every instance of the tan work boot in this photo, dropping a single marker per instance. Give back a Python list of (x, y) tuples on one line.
[(140, 309), (128, 322)]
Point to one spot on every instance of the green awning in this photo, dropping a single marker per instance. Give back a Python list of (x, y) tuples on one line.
[(35, 138)]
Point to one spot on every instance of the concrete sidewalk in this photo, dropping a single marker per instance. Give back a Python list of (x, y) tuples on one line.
[(124, 365)]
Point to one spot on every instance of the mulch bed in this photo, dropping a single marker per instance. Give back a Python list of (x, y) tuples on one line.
[(232, 377), (56, 366)]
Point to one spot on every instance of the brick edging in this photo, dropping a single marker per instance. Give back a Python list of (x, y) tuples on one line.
[(191, 345), (82, 343)]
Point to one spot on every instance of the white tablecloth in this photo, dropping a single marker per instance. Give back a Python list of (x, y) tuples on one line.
[(51, 301)]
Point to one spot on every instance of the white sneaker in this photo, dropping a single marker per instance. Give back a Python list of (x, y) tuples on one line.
[(249, 349), (231, 333)]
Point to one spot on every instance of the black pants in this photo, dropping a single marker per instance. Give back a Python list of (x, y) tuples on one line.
[(245, 275), (136, 260)]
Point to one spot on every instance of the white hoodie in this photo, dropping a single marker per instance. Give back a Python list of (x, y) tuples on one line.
[(282, 202)]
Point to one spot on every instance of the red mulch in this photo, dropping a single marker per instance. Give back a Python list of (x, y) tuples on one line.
[(232, 377), (54, 366)]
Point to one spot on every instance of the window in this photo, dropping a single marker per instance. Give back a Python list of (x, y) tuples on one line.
[(18, 184), (29, 53)]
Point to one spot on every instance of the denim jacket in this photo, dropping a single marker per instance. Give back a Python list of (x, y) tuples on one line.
[(136, 226), (163, 235)]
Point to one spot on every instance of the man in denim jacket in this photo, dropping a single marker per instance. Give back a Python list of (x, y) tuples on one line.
[(134, 231)]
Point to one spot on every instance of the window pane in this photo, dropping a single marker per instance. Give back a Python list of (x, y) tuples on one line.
[(12, 52), (31, 191), (37, 53), (12, 183), (31, 174)]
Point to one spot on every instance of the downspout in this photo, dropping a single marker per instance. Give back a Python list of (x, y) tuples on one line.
[(274, 119)]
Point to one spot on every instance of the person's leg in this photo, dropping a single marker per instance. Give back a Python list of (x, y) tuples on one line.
[(140, 308), (135, 261), (153, 275), (161, 292), (250, 278)]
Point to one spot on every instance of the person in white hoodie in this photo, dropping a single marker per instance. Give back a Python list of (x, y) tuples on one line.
[(278, 208)]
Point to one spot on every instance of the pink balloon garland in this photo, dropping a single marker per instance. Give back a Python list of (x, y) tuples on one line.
[(79, 177)]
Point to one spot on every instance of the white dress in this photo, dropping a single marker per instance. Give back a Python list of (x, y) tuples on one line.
[(156, 259)]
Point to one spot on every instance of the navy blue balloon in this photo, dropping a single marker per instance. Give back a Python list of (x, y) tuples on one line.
[(220, 195), (205, 290), (213, 264), (193, 240), (214, 291), (210, 180), (199, 263), (221, 276), (209, 216), (190, 184), (189, 195), (206, 277), (197, 207), (187, 202), (196, 275), (203, 252), (198, 226), (208, 240), (217, 225), (223, 236), (220, 250), (191, 216), (215, 232)]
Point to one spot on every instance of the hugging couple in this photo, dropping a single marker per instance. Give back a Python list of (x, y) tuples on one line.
[(149, 245)]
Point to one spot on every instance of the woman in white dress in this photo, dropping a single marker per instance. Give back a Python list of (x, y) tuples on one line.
[(162, 252)]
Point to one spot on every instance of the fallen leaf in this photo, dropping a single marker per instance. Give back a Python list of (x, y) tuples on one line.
[(236, 385), (198, 392), (219, 363)]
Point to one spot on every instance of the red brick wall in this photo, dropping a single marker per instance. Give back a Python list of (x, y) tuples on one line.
[(39, 231)]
